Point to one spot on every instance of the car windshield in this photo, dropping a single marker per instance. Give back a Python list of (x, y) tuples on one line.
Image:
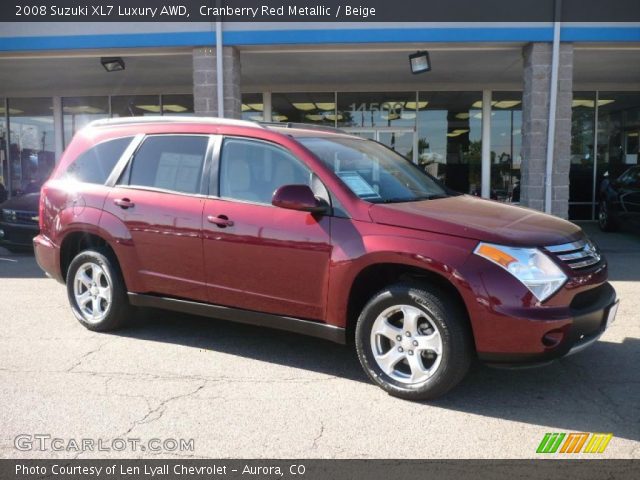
[(374, 172)]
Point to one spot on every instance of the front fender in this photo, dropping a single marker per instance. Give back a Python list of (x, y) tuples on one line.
[(438, 254)]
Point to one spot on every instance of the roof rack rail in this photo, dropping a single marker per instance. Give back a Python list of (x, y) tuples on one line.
[(172, 118), (305, 126)]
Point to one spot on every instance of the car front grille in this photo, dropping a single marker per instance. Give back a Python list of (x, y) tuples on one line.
[(576, 255), (20, 217)]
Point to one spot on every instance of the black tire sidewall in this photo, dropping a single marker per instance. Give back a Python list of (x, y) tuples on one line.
[(610, 224), (455, 345), (113, 317)]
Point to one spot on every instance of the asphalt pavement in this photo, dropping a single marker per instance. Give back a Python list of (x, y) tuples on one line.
[(229, 390)]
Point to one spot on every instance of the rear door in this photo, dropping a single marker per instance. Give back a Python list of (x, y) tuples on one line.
[(160, 200), (257, 256)]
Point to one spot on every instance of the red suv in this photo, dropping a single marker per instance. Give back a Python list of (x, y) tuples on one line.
[(317, 232)]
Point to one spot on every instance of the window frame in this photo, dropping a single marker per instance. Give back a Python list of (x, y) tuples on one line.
[(121, 176), (216, 168)]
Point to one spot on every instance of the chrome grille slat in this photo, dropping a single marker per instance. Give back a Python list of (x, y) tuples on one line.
[(576, 255), (571, 256), (566, 247), (585, 263), (22, 217)]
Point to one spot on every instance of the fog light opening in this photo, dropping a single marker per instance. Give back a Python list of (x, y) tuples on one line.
[(552, 338)]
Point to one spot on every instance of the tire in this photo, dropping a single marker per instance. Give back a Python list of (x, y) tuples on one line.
[(606, 221), (430, 361), (94, 275)]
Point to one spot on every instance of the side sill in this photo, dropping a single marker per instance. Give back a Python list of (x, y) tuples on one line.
[(290, 324)]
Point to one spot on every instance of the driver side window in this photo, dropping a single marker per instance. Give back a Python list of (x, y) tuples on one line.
[(252, 170)]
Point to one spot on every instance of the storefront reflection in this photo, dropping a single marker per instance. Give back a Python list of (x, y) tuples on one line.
[(31, 144)]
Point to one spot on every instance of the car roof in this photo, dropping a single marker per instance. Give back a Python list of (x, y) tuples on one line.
[(157, 119), (311, 132), (289, 129)]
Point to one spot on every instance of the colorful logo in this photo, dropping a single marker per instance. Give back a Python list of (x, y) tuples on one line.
[(574, 442)]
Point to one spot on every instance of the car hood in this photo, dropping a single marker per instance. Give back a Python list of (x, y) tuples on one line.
[(472, 217), (27, 203)]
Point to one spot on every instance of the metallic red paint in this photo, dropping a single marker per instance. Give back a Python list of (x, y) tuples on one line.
[(294, 263)]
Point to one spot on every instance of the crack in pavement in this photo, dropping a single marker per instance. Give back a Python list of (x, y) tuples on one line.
[(160, 409), (81, 360), (314, 445), (610, 407)]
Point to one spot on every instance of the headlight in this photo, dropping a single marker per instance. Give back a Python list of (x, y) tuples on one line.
[(533, 268)]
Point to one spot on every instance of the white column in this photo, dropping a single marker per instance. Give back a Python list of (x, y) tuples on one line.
[(58, 127), (486, 144), (266, 107)]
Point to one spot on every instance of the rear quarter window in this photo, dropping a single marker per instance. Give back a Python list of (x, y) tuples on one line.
[(95, 165)]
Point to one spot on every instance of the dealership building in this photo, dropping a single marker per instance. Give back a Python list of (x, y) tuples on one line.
[(479, 119)]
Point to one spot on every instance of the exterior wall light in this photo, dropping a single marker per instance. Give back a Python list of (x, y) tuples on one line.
[(112, 64), (420, 62)]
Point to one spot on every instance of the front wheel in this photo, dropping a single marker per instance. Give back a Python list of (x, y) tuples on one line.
[(96, 291), (414, 341), (606, 221)]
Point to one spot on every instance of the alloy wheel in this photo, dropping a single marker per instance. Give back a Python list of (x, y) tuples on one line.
[(406, 344), (93, 291)]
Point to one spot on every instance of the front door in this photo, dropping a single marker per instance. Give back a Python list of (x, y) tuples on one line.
[(400, 140), (257, 256)]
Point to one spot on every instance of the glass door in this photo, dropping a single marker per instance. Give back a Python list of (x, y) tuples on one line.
[(400, 140)]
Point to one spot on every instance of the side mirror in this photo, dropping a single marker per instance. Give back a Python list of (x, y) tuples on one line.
[(298, 197)]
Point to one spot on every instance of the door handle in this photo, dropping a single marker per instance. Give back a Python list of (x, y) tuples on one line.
[(124, 203), (221, 221)]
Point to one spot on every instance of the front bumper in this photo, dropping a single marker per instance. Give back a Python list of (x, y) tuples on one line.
[(17, 235), (587, 320)]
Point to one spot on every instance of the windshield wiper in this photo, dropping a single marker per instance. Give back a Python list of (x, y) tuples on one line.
[(433, 196)]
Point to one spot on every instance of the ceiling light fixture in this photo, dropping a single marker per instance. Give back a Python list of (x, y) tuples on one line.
[(112, 64), (420, 62)]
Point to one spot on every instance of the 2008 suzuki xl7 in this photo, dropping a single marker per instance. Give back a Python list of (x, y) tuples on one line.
[(317, 232)]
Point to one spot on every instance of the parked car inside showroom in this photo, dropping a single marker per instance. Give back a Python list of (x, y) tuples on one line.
[(19, 222), (317, 232), (619, 201)]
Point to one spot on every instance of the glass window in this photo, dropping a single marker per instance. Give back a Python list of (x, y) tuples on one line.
[(77, 112), (631, 178), (177, 105), (170, 162), (95, 165), (31, 143), (506, 144), (252, 107), (618, 132), (4, 167), (373, 172), (582, 144), (450, 138), (377, 109), (314, 108), (135, 105), (252, 171)]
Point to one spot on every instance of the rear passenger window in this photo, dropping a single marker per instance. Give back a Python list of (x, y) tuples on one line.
[(95, 165), (170, 162)]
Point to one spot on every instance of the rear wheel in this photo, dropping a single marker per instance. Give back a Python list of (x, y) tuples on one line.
[(606, 221), (96, 291), (413, 341)]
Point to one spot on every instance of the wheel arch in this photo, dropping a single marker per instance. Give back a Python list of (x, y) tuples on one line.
[(374, 277), (78, 241)]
